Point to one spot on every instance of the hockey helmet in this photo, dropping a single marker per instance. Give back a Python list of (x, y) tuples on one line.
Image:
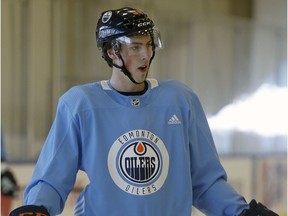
[(126, 21)]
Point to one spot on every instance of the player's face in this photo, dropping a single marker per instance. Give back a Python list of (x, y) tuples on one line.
[(136, 53)]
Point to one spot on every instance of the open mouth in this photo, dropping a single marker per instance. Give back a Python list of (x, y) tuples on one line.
[(143, 68)]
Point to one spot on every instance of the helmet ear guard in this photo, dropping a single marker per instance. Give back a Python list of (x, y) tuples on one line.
[(116, 46)]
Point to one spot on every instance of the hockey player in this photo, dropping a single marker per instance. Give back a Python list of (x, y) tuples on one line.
[(145, 144)]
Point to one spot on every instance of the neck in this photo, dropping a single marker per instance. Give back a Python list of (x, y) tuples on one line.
[(122, 83), (134, 93)]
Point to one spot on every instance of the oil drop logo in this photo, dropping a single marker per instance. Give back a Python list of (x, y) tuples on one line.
[(138, 162)]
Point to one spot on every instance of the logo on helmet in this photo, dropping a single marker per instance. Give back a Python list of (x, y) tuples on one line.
[(143, 24), (105, 32), (106, 16)]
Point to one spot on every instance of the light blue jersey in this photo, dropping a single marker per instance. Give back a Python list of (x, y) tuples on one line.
[(147, 155)]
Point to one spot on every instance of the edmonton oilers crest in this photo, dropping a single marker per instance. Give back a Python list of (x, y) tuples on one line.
[(138, 162)]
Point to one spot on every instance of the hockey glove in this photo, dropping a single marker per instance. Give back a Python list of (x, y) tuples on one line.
[(30, 210), (8, 184), (257, 209)]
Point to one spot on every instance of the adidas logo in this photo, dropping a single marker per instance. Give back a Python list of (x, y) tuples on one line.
[(174, 120)]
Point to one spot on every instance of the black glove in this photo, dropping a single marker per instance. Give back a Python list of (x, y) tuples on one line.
[(257, 209), (8, 183), (30, 210)]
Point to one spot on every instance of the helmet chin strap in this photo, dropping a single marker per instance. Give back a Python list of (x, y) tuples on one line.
[(126, 72)]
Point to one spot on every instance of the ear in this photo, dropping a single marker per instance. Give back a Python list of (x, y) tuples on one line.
[(111, 53)]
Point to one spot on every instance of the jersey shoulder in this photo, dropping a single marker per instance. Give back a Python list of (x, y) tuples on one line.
[(177, 88), (83, 96), (177, 93)]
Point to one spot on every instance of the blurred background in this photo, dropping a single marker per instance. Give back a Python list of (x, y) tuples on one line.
[(232, 53)]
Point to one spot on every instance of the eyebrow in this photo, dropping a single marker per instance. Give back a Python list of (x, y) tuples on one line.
[(140, 43)]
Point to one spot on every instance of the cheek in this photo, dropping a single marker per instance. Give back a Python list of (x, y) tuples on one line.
[(129, 64), (130, 60)]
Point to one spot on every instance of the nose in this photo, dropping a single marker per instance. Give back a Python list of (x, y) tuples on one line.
[(146, 53)]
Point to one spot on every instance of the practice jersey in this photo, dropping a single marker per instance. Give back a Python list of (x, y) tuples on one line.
[(145, 155)]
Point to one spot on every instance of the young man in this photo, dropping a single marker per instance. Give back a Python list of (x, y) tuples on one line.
[(144, 144)]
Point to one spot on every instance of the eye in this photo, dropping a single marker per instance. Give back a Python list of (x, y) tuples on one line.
[(135, 47)]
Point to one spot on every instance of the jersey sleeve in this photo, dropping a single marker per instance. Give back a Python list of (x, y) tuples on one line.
[(55, 171), (211, 192)]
